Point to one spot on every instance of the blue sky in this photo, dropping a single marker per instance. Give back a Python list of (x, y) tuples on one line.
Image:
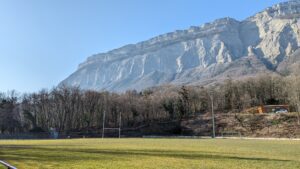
[(43, 41)]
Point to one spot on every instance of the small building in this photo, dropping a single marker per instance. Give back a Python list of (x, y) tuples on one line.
[(273, 109)]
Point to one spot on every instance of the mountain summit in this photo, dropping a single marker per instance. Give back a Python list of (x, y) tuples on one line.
[(264, 43)]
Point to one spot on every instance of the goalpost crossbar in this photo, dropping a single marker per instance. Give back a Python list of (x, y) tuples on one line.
[(111, 128)]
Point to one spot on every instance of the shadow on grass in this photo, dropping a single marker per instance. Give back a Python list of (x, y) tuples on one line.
[(58, 154)]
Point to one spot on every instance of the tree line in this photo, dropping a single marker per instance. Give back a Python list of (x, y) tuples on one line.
[(71, 109)]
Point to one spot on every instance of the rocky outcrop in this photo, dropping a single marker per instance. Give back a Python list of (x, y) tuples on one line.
[(199, 55)]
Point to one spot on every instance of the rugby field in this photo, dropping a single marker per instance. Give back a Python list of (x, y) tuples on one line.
[(151, 153)]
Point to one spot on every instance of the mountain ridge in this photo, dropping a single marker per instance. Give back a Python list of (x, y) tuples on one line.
[(210, 52)]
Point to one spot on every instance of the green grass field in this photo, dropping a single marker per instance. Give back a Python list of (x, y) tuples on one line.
[(151, 153)]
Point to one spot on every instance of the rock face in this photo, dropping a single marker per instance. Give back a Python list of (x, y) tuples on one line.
[(263, 43)]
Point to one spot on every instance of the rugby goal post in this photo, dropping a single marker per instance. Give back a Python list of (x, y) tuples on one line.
[(116, 128), (231, 134)]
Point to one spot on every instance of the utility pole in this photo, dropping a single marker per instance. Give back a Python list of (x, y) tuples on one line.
[(212, 115), (120, 123), (103, 125)]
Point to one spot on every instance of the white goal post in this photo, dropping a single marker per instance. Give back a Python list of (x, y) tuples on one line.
[(117, 128), (225, 134)]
